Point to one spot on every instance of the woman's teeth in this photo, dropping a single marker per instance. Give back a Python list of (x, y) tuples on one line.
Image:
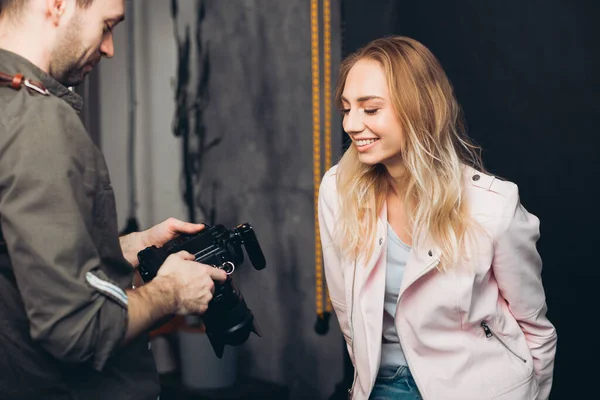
[(365, 142)]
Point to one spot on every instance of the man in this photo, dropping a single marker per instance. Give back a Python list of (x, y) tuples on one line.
[(70, 325)]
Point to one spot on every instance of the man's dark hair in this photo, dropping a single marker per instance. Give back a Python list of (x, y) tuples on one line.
[(14, 7)]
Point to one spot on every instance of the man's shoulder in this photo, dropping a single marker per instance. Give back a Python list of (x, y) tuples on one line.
[(39, 117)]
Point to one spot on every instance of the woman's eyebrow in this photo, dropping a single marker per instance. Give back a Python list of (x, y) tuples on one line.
[(362, 99)]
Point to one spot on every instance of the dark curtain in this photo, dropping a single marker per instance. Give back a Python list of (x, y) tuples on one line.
[(527, 76)]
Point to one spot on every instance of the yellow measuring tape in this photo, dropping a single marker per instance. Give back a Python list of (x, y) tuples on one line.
[(323, 303)]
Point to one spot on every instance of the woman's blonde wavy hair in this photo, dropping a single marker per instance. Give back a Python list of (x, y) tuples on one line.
[(435, 151)]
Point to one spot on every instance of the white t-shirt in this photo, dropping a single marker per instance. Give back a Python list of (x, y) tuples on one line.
[(397, 255)]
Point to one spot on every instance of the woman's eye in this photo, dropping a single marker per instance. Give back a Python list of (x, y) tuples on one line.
[(371, 111), (345, 111)]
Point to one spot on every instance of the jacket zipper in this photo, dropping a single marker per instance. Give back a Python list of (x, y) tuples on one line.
[(351, 323), (489, 333), (351, 390)]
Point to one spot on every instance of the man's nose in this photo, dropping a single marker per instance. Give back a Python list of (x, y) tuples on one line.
[(353, 122), (107, 47)]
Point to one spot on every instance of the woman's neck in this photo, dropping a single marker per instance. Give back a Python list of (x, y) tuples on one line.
[(399, 180)]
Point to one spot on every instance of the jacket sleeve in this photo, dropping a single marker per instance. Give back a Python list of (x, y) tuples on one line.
[(331, 258), (517, 267), (47, 192)]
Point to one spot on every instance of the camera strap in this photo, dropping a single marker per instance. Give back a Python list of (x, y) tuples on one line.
[(18, 81)]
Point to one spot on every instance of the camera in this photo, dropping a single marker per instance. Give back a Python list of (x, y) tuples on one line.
[(228, 319)]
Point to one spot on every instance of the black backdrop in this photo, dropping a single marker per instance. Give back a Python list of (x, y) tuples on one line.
[(527, 74)]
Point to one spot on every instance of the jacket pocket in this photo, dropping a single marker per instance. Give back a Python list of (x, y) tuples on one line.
[(489, 333)]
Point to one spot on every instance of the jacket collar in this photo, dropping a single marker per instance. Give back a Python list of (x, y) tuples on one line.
[(11, 63), (424, 256)]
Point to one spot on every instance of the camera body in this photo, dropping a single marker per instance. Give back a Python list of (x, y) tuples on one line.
[(228, 319)]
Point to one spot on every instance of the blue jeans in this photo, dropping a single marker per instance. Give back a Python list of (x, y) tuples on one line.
[(395, 383)]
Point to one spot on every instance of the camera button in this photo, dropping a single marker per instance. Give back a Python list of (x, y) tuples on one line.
[(228, 267)]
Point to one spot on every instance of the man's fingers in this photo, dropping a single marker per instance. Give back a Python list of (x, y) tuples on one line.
[(217, 274), (186, 256), (179, 226)]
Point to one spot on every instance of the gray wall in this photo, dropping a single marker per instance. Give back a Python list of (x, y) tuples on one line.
[(260, 104)]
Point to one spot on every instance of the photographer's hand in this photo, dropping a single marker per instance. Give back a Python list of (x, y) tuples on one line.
[(192, 282), (157, 236), (182, 286)]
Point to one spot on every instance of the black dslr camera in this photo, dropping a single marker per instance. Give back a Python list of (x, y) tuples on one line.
[(228, 320)]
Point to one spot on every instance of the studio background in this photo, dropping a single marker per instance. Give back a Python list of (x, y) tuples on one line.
[(524, 72)]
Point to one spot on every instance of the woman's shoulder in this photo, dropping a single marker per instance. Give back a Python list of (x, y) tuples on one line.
[(489, 195), (328, 196), (330, 178), (486, 184)]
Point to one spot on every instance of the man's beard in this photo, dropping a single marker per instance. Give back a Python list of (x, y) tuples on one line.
[(68, 76), (66, 65), (72, 74)]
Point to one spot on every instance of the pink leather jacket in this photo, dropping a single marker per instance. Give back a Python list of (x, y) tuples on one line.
[(469, 333)]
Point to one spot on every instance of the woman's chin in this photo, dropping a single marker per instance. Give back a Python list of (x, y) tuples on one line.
[(369, 159)]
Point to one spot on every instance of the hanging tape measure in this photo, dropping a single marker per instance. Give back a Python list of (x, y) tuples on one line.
[(323, 303)]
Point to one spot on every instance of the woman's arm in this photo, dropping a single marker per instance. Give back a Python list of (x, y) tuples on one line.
[(517, 267)]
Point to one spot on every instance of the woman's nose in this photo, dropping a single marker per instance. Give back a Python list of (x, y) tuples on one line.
[(353, 122)]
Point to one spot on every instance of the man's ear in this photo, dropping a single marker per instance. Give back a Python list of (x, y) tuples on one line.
[(55, 9)]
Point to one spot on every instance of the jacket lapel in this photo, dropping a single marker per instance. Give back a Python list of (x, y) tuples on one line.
[(423, 257), (378, 247)]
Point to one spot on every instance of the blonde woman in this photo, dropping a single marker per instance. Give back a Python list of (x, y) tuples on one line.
[(431, 264)]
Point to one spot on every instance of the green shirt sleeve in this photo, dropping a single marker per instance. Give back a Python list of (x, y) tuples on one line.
[(48, 190)]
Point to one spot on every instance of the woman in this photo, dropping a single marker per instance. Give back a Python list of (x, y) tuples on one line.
[(431, 264)]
